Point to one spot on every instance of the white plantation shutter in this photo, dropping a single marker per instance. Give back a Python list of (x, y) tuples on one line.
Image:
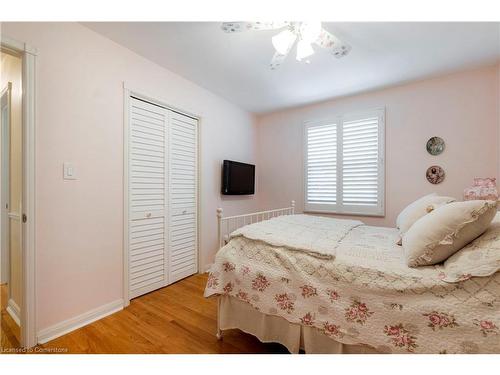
[(360, 163), (344, 165), (321, 166)]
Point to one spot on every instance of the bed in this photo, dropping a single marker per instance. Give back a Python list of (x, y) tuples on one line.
[(328, 285)]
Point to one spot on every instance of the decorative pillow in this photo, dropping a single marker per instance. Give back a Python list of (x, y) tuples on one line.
[(444, 231), (489, 182), (480, 258), (479, 192), (419, 208)]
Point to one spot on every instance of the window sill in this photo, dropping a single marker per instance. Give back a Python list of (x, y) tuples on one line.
[(327, 212)]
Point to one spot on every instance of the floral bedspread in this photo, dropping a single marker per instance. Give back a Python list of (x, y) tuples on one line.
[(366, 295), (316, 235)]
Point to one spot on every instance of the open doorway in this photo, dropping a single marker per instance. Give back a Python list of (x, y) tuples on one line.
[(21, 200), (11, 171)]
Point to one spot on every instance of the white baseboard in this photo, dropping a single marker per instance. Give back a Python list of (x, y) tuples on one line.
[(79, 321), (207, 267), (14, 311)]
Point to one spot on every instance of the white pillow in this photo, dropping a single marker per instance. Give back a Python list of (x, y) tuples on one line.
[(480, 258), (444, 231), (419, 208)]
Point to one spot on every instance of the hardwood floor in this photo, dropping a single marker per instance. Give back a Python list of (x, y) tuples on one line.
[(174, 319), (9, 331)]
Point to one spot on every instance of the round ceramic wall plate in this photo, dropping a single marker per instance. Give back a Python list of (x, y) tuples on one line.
[(435, 174), (435, 145)]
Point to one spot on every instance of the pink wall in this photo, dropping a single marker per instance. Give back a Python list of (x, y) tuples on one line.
[(461, 108), (498, 119), (79, 115)]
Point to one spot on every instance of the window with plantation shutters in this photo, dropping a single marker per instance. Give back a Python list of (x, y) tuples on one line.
[(344, 164)]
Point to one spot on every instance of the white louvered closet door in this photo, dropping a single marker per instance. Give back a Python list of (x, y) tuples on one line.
[(148, 176), (183, 254)]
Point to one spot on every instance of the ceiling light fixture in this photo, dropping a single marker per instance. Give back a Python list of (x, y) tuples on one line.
[(307, 33)]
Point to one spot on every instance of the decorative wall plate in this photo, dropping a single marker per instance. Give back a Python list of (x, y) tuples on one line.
[(435, 174), (435, 145)]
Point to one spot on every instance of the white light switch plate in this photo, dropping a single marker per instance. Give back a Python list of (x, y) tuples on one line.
[(69, 171)]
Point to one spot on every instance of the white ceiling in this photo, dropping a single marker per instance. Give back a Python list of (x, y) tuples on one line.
[(236, 66)]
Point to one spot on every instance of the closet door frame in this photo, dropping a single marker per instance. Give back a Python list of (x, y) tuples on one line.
[(129, 91)]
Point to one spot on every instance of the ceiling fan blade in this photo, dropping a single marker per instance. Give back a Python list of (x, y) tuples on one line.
[(269, 25), (277, 60), (279, 57), (234, 27), (331, 42)]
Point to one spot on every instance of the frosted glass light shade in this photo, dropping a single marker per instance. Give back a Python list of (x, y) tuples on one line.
[(304, 49), (283, 41), (309, 31)]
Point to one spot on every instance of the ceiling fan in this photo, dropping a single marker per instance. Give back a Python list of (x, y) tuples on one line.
[(307, 33)]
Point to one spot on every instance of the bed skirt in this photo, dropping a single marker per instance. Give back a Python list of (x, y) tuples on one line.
[(235, 314)]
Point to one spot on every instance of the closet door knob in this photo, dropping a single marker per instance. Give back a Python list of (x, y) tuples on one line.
[(184, 212), (148, 214)]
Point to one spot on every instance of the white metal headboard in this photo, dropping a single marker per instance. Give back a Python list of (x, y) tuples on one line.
[(226, 225)]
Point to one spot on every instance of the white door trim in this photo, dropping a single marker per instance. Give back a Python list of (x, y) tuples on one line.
[(28, 307), (127, 93), (5, 191), (126, 132)]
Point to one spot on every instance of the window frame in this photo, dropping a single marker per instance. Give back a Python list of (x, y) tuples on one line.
[(339, 208)]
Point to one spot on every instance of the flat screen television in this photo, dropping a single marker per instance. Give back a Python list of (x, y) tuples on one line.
[(238, 178)]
